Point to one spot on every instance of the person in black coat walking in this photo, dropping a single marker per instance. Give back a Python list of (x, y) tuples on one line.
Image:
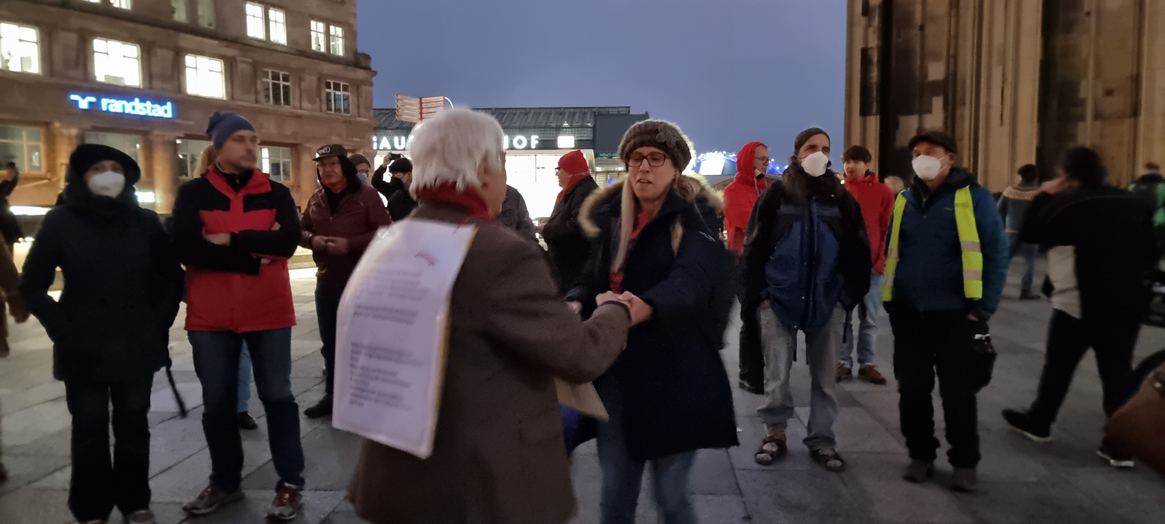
[(566, 243), (111, 327), (668, 394)]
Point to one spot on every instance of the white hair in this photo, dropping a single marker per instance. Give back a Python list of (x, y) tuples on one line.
[(451, 146)]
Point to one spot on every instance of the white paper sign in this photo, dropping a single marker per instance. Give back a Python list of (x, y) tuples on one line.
[(392, 334)]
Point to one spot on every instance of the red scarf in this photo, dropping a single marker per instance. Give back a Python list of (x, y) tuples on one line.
[(338, 187), (448, 193), (574, 180)]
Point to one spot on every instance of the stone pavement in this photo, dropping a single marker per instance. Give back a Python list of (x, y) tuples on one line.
[(1021, 482)]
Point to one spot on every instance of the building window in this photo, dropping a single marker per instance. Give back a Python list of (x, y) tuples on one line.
[(124, 4), (319, 36), (19, 48), (276, 87), (256, 28), (276, 161), (180, 12), (189, 152), (206, 13), (204, 77), (277, 25), (128, 144), (337, 40), (22, 146), (338, 97), (117, 62)]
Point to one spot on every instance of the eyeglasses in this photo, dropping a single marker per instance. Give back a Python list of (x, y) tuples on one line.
[(653, 160), (764, 159)]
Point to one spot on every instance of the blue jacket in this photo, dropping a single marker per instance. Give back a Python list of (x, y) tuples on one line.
[(930, 267)]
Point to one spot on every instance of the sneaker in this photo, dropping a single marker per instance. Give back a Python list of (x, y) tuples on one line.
[(247, 422), (1115, 459), (211, 499), (1028, 295), (750, 386), (965, 480), (844, 373), (919, 471), (1023, 424), (288, 504), (144, 516), (869, 373), (322, 409)]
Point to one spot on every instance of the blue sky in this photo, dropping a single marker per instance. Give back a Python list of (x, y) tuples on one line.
[(727, 71)]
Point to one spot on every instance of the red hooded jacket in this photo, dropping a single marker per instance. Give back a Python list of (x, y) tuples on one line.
[(877, 202), (740, 197)]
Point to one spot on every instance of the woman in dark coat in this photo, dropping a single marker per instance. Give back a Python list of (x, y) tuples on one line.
[(110, 328), (668, 393)]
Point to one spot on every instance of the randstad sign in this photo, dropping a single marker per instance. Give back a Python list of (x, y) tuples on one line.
[(136, 107)]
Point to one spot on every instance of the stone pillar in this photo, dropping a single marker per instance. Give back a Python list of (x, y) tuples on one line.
[(1151, 120), (304, 180), (60, 143), (161, 154)]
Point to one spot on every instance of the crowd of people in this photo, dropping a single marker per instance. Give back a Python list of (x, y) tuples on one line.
[(632, 293)]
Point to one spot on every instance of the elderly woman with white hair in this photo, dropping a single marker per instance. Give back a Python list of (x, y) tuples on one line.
[(498, 454)]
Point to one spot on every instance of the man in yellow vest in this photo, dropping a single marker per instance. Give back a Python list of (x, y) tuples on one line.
[(946, 264)]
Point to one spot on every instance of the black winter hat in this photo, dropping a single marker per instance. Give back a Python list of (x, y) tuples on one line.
[(660, 134), (937, 138), (86, 155)]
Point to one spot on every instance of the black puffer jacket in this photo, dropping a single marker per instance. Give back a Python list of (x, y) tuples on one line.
[(123, 283), (565, 241), (672, 384)]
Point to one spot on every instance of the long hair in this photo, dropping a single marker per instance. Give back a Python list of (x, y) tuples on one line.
[(208, 157), (628, 211)]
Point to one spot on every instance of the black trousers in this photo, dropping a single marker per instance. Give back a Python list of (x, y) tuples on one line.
[(1068, 339), (926, 344), (752, 356), (327, 305), (98, 483)]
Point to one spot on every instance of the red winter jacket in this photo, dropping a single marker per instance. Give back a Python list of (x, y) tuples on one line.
[(877, 202), (227, 287), (740, 197)]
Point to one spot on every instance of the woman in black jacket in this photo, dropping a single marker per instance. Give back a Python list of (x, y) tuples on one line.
[(110, 328), (668, 393)]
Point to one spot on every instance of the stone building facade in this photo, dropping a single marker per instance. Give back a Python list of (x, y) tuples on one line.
[(1014, 81), (145, 75)]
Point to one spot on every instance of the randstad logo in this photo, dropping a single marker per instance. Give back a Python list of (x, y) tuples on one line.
[(137, 106)]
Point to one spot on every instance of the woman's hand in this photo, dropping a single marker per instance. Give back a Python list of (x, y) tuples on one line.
[(17, 308), (576, 307), (640, 311)]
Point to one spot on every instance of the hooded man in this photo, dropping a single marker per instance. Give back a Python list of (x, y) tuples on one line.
[(566, 242), (363, 166), (338, 223), (739, 198)]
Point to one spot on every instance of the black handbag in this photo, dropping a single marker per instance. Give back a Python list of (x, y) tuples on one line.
[(978, 361)]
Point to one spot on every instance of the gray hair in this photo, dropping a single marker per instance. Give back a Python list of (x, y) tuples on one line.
[(450, 147)]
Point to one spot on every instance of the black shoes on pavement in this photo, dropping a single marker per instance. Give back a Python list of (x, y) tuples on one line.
[(247, 422), (1023, 424), (322, 409)]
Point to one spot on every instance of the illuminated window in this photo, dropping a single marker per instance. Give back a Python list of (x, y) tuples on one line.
[(128, 144), (276, 161), (189, 151), (319, 36), (337, 40), (124, 4), (256, 28), (19, 48), (277, 25), (206, 13), (204, 77), (22, 146), (117, 62), (180, 12), (93, 1), (277, 88), (338, 97)]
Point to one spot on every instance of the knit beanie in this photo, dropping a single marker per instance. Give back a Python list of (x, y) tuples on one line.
[(358, 159), (574, 163), (223, 125), (661, 135)]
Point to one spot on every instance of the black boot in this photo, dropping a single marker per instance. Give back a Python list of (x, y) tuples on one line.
[(247, 422), (322, 409)]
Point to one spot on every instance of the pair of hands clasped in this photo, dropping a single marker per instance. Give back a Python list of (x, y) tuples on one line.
[(640, 311), (336, 246), (224, 239)]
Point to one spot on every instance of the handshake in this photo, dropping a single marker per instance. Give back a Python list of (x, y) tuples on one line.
[(640, 311)]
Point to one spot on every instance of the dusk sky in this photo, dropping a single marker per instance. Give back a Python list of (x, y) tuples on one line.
[(727, 71)]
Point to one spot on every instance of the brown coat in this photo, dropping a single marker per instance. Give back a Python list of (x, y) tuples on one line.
[(499, 455), (357, 218)]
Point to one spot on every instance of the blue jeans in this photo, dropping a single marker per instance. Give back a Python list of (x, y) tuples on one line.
[(216, 360), (1029, 252), (623, 476), (867, 327), (244, 379)]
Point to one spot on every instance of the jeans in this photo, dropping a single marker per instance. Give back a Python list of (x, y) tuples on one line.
[(216, 360), (780, 345), (244, 379), (867, 327), (924, 343), (327, 304), (623, 476), (1068, 339), (98, 483), (1029, 252)]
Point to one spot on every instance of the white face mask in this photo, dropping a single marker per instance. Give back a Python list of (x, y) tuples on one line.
[(927, 167), (107, 184), (815, 164)]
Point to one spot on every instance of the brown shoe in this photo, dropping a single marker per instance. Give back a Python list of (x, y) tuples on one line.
[(844, 373), (870, 374)]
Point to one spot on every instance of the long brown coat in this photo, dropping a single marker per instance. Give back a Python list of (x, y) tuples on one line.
[(499, 455)]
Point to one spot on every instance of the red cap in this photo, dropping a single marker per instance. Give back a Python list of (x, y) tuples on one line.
[(574, 163)]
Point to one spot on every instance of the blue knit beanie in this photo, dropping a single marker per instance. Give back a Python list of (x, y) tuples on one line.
[(223, 125)]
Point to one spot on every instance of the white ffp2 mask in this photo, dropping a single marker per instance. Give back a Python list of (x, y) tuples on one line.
[(927, 167), (107, 184), (815, 164)]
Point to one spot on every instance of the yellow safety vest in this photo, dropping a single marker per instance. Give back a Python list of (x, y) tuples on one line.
[(968, 240)]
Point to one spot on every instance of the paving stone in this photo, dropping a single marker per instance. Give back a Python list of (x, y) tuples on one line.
[(781, 497), (330, 457), (24, 470), (35, 506), (712, 474), (1049, 500), (891, 499)]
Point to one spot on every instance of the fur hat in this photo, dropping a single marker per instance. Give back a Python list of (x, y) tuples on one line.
[(659, 134)]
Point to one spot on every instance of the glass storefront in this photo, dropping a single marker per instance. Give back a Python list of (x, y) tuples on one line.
[(533, 176), (189, 151), (128, 144), (276, 161), (21, 145)]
